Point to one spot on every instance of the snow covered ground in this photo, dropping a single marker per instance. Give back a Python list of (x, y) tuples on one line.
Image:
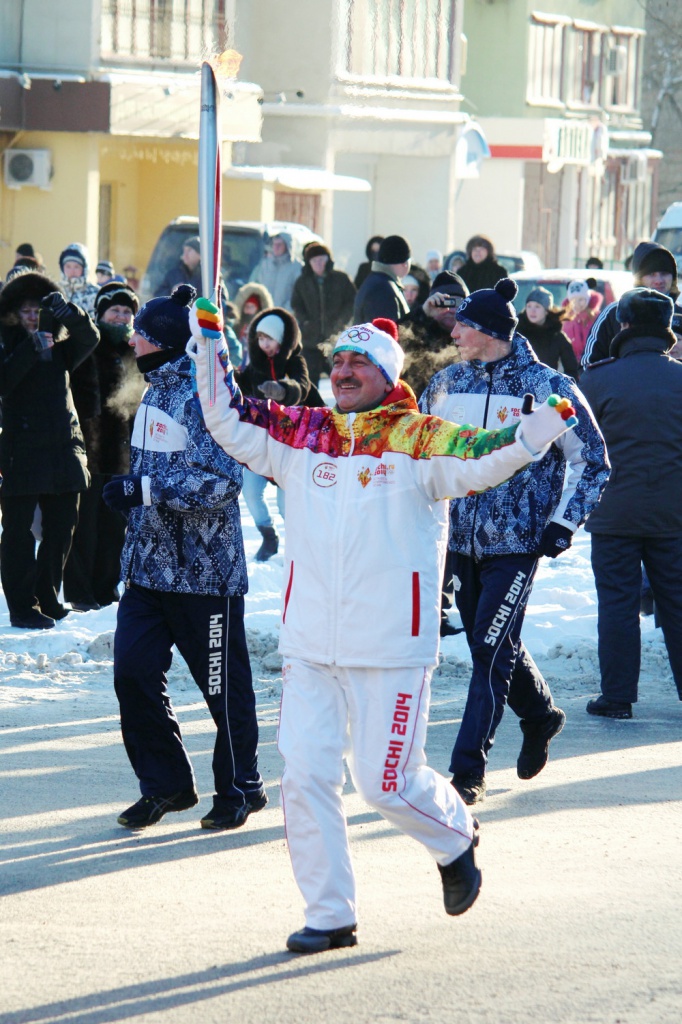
[(74, 660)]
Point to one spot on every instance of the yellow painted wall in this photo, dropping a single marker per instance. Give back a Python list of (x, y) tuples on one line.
[(247, 200), (50, 220)]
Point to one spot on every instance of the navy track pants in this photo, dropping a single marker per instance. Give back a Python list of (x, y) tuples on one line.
[(209, 633), (491, 601)]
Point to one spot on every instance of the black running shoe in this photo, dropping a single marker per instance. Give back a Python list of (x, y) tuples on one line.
[(233, 817), (536, 739), (150, 809), (310, 940), (609, 708), (471, 787), (461, 881)]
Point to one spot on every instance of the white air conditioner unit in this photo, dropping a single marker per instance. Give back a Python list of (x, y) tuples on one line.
[(617, 60), (28, 167)]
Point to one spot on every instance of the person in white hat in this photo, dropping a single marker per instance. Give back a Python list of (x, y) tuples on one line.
[(366, 518)]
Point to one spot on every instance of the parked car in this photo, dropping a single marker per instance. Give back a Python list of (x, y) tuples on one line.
[(244, 243), (611, 283), (668, 232)]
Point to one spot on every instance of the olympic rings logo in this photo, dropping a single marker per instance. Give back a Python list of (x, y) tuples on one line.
[(358, 334)]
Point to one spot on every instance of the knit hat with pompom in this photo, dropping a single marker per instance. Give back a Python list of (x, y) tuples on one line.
[(379, 342), (490, 310), (164, 322)]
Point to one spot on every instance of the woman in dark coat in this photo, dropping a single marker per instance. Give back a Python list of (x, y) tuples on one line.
[(540, 323), (372, 253), (42, 454), (276, 370), (92, 571), (481, 269)]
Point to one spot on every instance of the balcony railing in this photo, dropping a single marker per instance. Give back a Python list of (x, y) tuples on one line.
[(170, 31)]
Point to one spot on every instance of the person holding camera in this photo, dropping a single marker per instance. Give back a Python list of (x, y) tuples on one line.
[(42, 455), (425, 332)]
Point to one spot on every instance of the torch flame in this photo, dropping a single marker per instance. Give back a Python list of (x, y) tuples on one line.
[(226, 64)]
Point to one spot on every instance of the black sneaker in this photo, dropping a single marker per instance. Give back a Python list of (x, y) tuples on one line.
[(536, 740), (310, 940), (447, 629), (33, 619), (609, 708), (461, 881), (471, 787), (233, 817), (150, 809)]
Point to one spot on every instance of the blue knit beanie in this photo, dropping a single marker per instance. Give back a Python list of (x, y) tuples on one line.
[(490, 310), (164, 321)]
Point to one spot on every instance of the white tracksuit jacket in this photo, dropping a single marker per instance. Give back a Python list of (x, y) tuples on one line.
[(366, 513)]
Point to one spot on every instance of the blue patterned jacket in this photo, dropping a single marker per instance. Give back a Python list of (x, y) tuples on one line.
[(563, 487), (189, 540)]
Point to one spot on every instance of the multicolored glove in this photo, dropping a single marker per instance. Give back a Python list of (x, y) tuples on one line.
[(544, 424), (206, 320), (555, 539), (123, 492), (273, 389)]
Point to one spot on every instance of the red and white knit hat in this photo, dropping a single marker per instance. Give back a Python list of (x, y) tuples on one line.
[(379, 342)]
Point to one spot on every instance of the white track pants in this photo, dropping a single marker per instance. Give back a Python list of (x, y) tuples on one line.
[(377, 719)]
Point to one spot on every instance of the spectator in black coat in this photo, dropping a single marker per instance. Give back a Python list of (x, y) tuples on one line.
[(42, 454), (372, 253), (481, 269), (381, 294), (540, 323), (425, 332), (92, 571), (635, 396), (322, 301), (187, 270)]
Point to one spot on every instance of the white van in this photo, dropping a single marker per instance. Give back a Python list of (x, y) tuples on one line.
[(668, 232)]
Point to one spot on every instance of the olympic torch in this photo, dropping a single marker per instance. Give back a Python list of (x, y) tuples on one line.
[(210, 224)]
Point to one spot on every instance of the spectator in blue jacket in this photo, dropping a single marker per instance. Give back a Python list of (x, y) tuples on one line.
[(185, 574), (497, 538)]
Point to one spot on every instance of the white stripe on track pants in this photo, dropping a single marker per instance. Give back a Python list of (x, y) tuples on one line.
[(377, 719)]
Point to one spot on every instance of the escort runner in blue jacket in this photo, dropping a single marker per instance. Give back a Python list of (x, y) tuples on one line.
[(184, 570), (498, 536)]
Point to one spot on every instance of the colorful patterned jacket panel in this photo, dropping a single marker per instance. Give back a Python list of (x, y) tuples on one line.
[(564, 486), (189, 540)]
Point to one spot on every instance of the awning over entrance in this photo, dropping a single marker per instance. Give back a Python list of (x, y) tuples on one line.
[(302, 179)]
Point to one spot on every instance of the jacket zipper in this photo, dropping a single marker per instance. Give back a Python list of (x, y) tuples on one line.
[(132, 552), (340, 520), (484, 424)]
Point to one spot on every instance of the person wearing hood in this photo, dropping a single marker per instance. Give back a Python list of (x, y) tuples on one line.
[(540, 323), (43, 339), (73, 263), (276, 369), (185, 578), (372, 253), (250, 300), (381, 294), (92, 571), (278, 270), (434, 263), (481, 269), (322, 302), (639, 518), (582, 305), (497, 538), (653, 266)]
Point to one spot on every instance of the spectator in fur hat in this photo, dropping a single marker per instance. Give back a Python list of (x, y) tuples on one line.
[(322, 301), (92, 571), (653, 266), (42, 454), (481, 269)]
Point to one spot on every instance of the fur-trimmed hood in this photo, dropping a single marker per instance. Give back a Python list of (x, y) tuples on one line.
[(252, 288), (23, 288), (291, 342)]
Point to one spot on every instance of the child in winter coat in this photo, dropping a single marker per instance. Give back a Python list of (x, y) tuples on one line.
[(582, 308), (276, 370)]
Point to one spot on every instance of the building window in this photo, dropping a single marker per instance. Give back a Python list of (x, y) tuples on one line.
[(546, 61), (177, 31), (622, 70), (413, 39), (583, 66)]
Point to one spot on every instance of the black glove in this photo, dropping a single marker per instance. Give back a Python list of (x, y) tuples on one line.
[(57, 305), (555, 539), (273, 389), (123, 492)]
